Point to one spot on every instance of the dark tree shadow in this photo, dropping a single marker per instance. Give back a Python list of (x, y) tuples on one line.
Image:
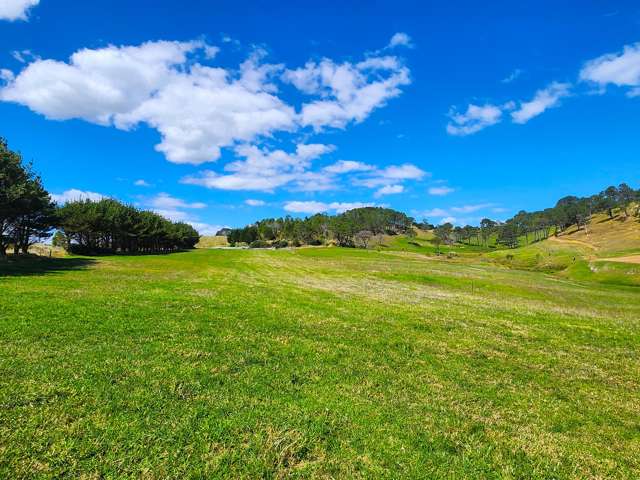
[(34, 265)]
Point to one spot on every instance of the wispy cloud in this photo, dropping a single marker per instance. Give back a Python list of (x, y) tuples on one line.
[(313, 207), (512, 76), (474, 119), (544, 99), (441, 191), (388, 190)]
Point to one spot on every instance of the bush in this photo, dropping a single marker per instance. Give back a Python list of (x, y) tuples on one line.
[(259, 244), (280, 244)]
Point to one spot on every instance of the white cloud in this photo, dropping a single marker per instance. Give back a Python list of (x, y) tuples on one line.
[(346, 166), (167, 202), (512, 76), (450, 214), (441, 191), (206, 229), (313, 207), (473, 120), (435, 212), (16, 9), (23, 56), (264, 170), (400, 39), (6, 75), (543, 100), (391, 175), (306, 207), (472, 208), (199, 109), (141, 183), (350, 92), (621, 68), (74, 194), (178, 210), (254, 203), (388, 190)]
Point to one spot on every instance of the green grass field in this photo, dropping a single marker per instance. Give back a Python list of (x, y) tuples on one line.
[(314, 363)]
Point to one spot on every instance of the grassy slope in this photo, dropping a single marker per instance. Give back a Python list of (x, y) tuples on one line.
[(582, 254), (314, 363), (212, 241)]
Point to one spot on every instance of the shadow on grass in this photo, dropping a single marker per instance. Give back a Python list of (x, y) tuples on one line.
[(34, 265)]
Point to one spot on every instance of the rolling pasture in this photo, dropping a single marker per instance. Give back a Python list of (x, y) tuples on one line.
[(315, 363)]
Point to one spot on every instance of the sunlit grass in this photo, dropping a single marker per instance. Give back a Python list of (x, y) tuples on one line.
[(323, 363)]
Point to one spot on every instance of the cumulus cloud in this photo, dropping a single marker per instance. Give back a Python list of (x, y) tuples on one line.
[(199, 109), (476, 118), (544, 99), (74, 194), (388, 190), (141, 183), (621, 69), (441, 191), (16, 9), (313, 207), (349, 91), (254, 203), (264, 170)]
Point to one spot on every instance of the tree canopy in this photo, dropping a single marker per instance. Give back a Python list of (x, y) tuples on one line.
[(347, 229), (28, 214)]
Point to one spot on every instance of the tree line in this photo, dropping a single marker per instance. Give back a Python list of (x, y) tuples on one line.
[(28, 214), (528, 227), (357, 227), (352, 228)]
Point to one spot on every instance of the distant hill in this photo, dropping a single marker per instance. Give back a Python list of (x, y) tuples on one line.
[(607, 250)]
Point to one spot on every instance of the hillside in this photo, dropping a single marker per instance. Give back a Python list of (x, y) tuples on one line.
[(605, 236), (608, 251)]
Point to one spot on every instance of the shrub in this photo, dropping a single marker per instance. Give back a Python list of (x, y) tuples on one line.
[(259, 244)]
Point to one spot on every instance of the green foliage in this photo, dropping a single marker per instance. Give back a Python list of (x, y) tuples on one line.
[(26, 210), (351, 228), (59, 239), (108, 226)]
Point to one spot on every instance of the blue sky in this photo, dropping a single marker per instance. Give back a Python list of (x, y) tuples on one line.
[(222, 113)]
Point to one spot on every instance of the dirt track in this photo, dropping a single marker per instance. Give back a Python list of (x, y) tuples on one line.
[(628, 259)]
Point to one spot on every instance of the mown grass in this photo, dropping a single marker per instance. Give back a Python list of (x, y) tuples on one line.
[(314, 363)]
